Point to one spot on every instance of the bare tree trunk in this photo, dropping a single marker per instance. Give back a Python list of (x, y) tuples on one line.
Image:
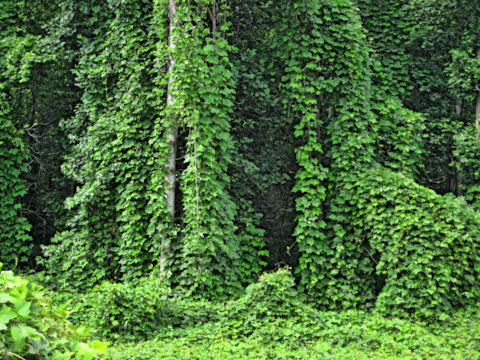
[(171, 131), (477, 108), (458, 108)]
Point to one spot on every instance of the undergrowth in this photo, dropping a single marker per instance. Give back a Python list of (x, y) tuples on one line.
[(270, 321), (32, 329)]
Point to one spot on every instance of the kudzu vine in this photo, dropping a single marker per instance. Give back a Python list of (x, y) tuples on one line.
[(201, 129), (121, 221), (15, 239), (213, 241), (327, 77), (119, 213)]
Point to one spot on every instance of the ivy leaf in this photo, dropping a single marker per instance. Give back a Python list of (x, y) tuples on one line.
[(6, 314), (4, 297), (23, 308)]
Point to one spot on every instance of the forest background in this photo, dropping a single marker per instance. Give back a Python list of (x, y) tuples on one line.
[(190, 146)]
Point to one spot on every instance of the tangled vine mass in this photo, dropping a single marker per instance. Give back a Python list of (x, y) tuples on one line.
[(206, 141)]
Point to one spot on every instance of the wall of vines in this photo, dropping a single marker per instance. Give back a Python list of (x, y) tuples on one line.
[(118, 213), (318, 134)]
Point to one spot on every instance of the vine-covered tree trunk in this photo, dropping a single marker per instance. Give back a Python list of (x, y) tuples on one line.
[(15, 241), (172, 130), (477, 107)]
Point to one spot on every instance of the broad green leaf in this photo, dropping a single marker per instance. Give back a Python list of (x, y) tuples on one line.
[(22, 307), (99, 346), (4, 297), (19, 337), (6, 314)]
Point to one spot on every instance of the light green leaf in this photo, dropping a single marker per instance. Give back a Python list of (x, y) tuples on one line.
[(19, 337), (99, 346), (6, 298), (23, 308), (7, 314)]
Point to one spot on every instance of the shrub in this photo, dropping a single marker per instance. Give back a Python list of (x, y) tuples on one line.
[(32, 329), (122, 310), (149, 308), (426, 246)]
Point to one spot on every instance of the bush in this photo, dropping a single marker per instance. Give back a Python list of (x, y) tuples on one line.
[(32, 329), (123, 310), (148, 308), (426, 246)]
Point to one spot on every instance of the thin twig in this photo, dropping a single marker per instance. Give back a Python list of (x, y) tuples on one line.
[(369, 253), (17, 356)]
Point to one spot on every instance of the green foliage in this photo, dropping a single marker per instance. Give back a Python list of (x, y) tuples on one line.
[(15, 241), (149, 308), (305, 129), (390, 28), (399, 134), (468, 151), (253, 348), (121, 311), (118, 215), (272, 322), (350, 335), (423, 245), (443, 49), (264, 164), (31, 329), (218, 251), (464, 74), (328, 82), (273, 295), (35, 77), (350, 121)]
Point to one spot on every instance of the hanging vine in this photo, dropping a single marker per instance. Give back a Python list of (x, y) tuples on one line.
[(328, 82), (15, 239), (348, 126), (210, 256), (120, 215)]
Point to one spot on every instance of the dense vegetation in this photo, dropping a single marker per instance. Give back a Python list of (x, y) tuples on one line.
[(240, 179), (31, 328)]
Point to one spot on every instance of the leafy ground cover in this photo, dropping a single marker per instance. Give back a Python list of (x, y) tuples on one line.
[(369, 337), (270, 321)]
